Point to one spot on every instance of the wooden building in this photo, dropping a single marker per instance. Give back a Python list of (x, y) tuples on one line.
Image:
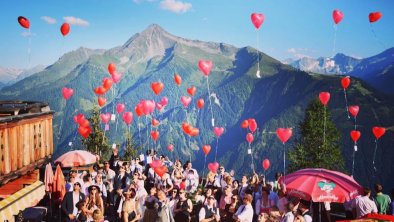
[(26, 143)]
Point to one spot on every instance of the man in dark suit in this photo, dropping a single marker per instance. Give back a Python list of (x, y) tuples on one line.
[(70, 200)]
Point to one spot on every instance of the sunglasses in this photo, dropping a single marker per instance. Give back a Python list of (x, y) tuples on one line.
[(77, 184), (106, 163), (221, 168)]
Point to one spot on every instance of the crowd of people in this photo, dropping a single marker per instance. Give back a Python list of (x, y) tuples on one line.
[(125, 191)]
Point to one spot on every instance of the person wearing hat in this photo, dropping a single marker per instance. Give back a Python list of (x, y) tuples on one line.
[(209, 212), (70, 201), (303, 207), (94, 199)]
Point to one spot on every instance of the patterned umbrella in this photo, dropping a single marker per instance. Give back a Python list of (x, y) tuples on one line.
[(322, 185), (76, 158)]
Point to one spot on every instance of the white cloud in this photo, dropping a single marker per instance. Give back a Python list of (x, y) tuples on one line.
[(48, 19), (299, 53), (75, 21), (175, 6)]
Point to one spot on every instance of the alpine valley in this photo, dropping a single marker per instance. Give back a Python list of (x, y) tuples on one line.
[(278, 99)]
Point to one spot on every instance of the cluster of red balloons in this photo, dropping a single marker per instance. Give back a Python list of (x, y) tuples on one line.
[(158, 167), (145, 107), (84, 127), (190, 130)]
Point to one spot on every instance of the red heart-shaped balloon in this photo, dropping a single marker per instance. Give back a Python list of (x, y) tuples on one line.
[(324, 97), (67, 93), (24, 22), (337, 16), (155, 122), (65, 29), (161, 170), (378, 131), (355, 135), (100, 90), (205, 66), (354, 110), (84, 131), (156, 163), (185, 100), (206, 149), (245, 124), (157, 87), (120, 108), (213, 167), (266, 164), (257, 19), (200, 103), (194, 132), (374, 16), (192, 90), (111, 68), (170, 147), (284, 134), (218, 131), (107, 83), (252, 125), (345, 82), (155, 135), (101, 101), (249, 138), (127, 117), (177, 79), (84, 122), (105, 117)]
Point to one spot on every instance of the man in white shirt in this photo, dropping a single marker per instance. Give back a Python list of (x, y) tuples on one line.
[(364, 205), (209, 212), (220, 178), (108, 172), (245, 211), (289, 216)]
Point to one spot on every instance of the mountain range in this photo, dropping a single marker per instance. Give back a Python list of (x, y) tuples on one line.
[(376, 70), (278, 99), (9, 76)]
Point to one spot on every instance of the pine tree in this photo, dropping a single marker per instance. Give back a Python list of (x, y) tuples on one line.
[(97, 142), (131, 149), (312, 150)]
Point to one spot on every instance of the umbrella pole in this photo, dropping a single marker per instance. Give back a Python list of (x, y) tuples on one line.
[(319, 211)]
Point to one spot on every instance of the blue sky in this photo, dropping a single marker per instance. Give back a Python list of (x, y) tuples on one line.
[(292, 28)]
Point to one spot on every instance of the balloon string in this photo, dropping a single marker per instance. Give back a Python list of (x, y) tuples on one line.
[(258, 52), (354, 154), (147, 136), (355, 123), (203, 171), (284, 162), (347, 108), (116, 125), (374, 155), (335, 41), (139, 129), (210, 104), (251, 156), (217, 145), (61, 124), (29, 51), (190, 156), (324, 127), (376, 37)]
